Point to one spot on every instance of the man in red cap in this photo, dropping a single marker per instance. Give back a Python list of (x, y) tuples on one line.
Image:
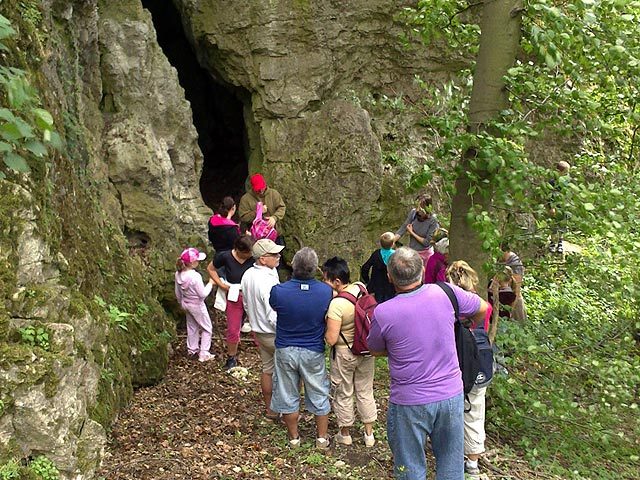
[(274, 207)]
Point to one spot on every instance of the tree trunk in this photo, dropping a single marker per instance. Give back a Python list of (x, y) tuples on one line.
[(499, 42)]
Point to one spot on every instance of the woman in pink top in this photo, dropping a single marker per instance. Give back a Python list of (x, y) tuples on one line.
[(191, 292), (437, 263)]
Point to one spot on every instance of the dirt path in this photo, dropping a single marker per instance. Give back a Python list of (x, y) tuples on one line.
[(201, 423)]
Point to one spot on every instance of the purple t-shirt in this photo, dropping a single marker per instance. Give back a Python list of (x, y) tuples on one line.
[(416, 330)]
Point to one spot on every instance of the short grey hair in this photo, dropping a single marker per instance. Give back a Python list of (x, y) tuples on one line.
[(405, 267), (305, 263)]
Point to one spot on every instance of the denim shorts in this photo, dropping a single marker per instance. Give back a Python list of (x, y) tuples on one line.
[(293, 364)]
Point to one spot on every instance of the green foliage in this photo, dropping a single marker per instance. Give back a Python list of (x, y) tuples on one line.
[(26, 129), (35, 336), (10, 470), (44, 468), (117, 317), (574, 366)]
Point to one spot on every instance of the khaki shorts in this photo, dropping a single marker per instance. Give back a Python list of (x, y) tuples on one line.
[(266, 347)]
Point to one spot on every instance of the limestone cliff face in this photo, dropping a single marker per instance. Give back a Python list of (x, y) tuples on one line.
[(89, 237), (314, 71)]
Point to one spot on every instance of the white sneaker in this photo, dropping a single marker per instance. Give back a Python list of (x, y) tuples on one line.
[(369, 440), (206, 356), (294, 442), (246, 327), (322, 443), (343, 439)]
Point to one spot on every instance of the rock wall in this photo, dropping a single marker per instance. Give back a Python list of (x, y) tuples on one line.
[(317, 73), (89, 237)]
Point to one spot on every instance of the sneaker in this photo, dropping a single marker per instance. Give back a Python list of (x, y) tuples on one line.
[(246, 327), (231, 363), (560, 247), (552, 247), (472, 471), (369, 440), (322, 443), (343, 439), (294, 442), (206, 356)]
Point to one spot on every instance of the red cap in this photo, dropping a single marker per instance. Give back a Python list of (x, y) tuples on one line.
[(257, 182)]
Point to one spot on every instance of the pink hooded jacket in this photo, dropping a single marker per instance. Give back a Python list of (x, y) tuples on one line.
[(190, 289)]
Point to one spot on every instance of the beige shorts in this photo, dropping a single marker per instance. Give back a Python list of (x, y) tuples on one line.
[(266, 347)]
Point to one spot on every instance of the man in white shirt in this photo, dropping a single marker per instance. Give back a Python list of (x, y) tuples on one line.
[(256, 288)]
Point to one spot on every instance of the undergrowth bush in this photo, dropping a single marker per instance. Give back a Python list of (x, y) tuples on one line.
[(570, 401)]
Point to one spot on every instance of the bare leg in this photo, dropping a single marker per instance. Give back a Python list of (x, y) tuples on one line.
[(266, 385), (291, 421), (322, 425), (232, 349), (368, 428)]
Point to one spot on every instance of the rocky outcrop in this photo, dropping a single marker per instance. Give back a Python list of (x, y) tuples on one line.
[(314, 71), (88, 236)]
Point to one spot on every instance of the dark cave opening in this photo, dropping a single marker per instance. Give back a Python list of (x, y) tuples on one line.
[(217, 110)]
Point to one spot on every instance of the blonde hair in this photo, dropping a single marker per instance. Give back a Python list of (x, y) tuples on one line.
[(386, 240), (461, 274)]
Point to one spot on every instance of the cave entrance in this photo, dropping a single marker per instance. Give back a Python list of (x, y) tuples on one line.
[(217, 109)]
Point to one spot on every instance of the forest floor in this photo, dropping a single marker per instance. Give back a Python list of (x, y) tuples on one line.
[(202, 423)]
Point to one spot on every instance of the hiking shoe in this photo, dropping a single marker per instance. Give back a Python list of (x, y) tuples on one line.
[(231, 362), (294, 442), (369, 440), (246, 327), (206, 356), (343, 439), (322, 443)]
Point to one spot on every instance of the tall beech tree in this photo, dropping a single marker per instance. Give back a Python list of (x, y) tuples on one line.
[(499, 43)]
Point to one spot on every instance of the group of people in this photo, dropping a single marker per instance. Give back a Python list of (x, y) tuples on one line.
[(293, 322)]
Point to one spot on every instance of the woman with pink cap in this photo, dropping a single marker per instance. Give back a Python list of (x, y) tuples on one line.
[(191, 292)]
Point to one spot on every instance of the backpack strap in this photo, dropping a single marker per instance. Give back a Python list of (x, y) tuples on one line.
[(353, 299), (259, 211), (452, 298), (456, 309)]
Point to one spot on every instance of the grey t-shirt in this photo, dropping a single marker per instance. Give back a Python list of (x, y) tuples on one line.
[(425, 229)]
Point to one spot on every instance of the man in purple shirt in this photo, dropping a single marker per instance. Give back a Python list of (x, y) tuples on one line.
[(415, 330)]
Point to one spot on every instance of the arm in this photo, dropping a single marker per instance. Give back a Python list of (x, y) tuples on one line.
[(401, 231), (201, 290), (279, 208), (333, 331), (178, 293), (433, 226), (495, 293), (213, 274), (375, 340), (246, 209), (366, 268)]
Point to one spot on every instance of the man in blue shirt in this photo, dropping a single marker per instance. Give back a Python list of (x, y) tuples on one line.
[(301, 305)]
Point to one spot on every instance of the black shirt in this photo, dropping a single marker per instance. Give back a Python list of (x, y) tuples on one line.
[(234, 269)]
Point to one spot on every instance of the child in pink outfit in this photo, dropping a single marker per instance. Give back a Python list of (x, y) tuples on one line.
[(191, 292)]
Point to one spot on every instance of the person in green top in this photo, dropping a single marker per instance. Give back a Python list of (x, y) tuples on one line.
[(274, 207)]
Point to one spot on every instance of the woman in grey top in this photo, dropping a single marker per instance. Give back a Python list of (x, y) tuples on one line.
[(420, 224)]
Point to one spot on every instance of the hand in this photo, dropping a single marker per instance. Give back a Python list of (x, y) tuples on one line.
[(272, 222), (410, 228)]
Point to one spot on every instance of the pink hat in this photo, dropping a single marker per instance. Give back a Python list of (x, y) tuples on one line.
[(190, 255), (258, 182)]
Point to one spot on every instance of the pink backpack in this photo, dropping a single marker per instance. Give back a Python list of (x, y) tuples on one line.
[(260, 227)]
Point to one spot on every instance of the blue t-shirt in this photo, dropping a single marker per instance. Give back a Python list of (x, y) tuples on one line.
[(301, 306)]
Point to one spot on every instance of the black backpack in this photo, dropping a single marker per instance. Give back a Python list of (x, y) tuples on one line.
[(468, 357)]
